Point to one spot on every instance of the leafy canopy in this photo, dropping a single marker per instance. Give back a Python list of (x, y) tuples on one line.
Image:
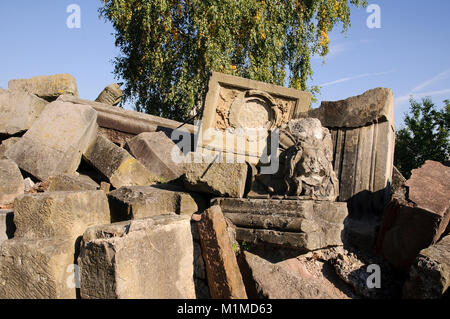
[(425, 136), (169, 47)]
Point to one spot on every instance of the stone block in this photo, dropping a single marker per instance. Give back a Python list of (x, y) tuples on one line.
[(224, 277), (72, 182), (47, 87), (59, 214), (56, 140), (11, 182), (18, 111), (154, 151), (149, 258), (6, 144), (111, 95), (296, 224), (37, 269), (221, 179), (136, 202), (117, 164)]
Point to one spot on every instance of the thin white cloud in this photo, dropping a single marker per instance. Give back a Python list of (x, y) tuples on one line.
[(420, 95), (350, 78), (437, 78), (334, 50)]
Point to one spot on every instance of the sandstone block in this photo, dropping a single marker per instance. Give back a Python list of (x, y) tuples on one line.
[(6, 144), (136, 202), (143, 259), (55, 142), (47, 87), (111, 95), (297, 224), (117, 164), (72, 182), (59, 214), (18, 111), (154, 151), (224, 277), (11, 182), (37, 269), (429, 276), (221, 179), (416, 219)]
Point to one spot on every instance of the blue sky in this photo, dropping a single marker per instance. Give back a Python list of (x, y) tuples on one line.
[(410, 53)]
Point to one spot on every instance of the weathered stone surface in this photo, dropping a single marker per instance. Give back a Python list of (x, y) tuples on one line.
[(117, 164), (154, 151), (221, 179), (356, 111), (7, 227), (37, 269), (430, 272), (18, 111), (147, 258), (224, 277), (416, 219), (59, 214), (398, 180), (11, 182), (111, 95), (47, 87), (297, 224), (136, 202), (55, 142), (264, 280), (6, 144), (71, 182)]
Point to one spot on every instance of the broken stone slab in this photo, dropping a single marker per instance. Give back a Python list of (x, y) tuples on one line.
[(11, 182), (37, 269), (6, 144), (297, 224), (111, 95), (136, 202), (429, 275), (46, 87), (154, 150), (417, 218), (18, 111), (72, 182), (224, 277), (150, 258), (56, 140), (59, 214), (264, 280), (117, 164), (221, 179), (7, 227)]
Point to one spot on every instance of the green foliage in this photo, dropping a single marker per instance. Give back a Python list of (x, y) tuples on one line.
[(425, 137), (169, 47)]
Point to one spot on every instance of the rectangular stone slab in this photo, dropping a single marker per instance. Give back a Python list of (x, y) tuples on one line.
[(149, 258), (11, 182), (59, 214), (56, 140), (37, 269)]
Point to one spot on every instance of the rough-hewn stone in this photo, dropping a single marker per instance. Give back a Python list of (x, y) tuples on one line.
[(6, 144), (297, 224), (18, 111), (7, 227), (11, 182), (416, 219), (224, 277), (154, 151), (71, 182), (37, 269), (221, 179), (47, 87), (117, 164), (429, 276), (136, 202), (111, 95), (147, 258), (56, 140), (59, 214)]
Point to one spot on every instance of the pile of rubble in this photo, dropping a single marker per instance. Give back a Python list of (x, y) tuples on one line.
[(96, 203)]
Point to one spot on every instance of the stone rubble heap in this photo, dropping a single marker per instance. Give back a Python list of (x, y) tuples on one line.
[(93, 203)]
